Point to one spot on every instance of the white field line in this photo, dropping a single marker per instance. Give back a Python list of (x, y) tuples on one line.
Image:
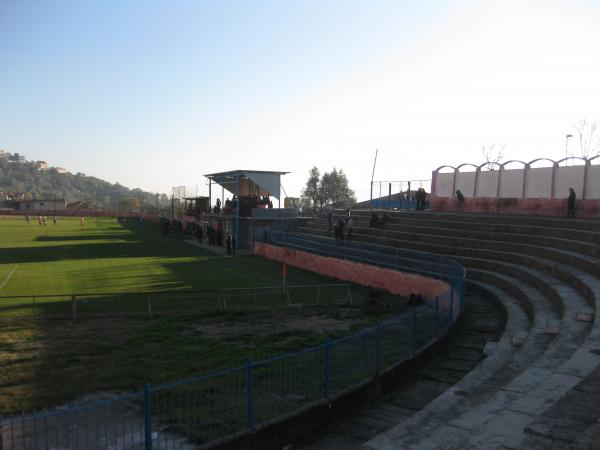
[(7, 278)]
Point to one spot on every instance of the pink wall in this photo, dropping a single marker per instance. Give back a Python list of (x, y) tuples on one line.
[(393, 281), (533, 206)]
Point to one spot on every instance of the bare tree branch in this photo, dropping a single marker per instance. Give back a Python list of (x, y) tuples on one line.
[(493, 154), (589, 137)]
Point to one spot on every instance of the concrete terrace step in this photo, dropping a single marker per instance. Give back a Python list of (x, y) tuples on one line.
[(548, 270), (574, 420), (589, 234), (438, 375), (505, 219), (541, 280), (557, 239), (449, 245), (570, 237)]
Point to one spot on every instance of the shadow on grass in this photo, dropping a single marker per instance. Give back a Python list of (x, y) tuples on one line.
[(89, 237)]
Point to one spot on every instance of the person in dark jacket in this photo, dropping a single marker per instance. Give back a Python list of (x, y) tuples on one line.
[(349, 226), (373, 220), (571, 204), (340, 228), (421, 196), (460, 201)]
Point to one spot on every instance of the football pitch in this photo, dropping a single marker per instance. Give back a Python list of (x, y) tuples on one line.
[(105, 256), (47, 360)]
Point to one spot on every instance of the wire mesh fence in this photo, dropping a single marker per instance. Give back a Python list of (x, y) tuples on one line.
[(77, 306), (192, 412), (111, 422)]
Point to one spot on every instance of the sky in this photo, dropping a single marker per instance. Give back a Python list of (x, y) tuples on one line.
[(154, 94)]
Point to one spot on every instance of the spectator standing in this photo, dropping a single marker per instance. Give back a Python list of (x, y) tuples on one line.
[(329, 219), (349, 226), (373, 219), (340, 228), (571, 204), (460, 200), (421, 196)]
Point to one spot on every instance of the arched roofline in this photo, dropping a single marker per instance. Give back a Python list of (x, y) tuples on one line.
[(466, 164), (542, 159), (512, 161), (443, 167), (572, 157), (494, 163)]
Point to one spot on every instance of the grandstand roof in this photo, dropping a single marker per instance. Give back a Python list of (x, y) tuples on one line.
[(252, 182)]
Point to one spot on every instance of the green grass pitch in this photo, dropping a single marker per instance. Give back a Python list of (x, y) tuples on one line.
[(46, 361), (104, 256)]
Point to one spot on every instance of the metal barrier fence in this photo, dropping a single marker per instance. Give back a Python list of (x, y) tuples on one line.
[(196, 411), (383, 203), (76, 306)]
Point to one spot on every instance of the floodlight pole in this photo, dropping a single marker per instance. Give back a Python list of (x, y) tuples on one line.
[(237, 215), (210, 196), (567, 149), (372, 175)]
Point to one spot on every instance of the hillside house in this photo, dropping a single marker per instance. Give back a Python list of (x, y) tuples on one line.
[(42, 205)]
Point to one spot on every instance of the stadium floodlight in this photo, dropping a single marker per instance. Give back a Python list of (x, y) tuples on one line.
[(567, 148)]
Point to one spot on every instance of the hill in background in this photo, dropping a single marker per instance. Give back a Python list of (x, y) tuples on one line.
[(28, 179)]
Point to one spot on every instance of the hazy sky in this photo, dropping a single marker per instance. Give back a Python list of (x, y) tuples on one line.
[(156, 93)]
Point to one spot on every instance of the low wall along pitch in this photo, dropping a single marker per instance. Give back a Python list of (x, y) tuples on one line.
[(393, 281)]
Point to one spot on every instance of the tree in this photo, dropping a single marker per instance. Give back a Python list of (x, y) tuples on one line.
[(493, 154), (331, 189), (129, 203), (588, 133)]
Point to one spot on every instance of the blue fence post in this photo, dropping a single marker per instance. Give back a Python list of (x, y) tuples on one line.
[(451, 308), (462, 295), (436, 320), (250, 375), (327, 362), (147, 418), (377, 349), (1, 434), (413, 334)]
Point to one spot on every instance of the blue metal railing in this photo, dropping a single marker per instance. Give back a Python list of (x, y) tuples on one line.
[(205, 408)]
